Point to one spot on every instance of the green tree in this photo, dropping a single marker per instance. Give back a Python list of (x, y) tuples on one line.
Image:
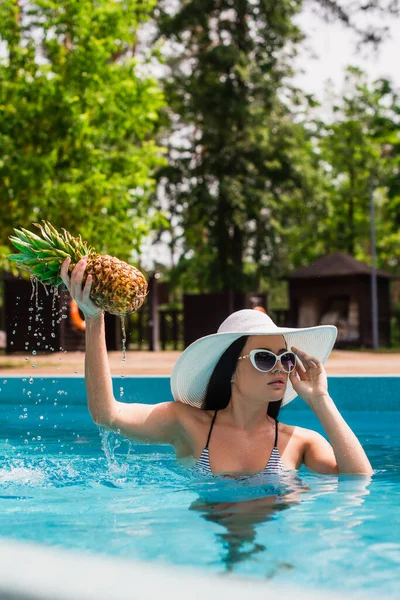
[(245, 180), (240, 168), (361, 150), (78, 120)]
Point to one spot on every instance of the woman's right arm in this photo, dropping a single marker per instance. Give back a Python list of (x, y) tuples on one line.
[(155, 423)]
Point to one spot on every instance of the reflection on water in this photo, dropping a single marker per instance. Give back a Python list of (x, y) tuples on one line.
[(239, 517), (239, 520)]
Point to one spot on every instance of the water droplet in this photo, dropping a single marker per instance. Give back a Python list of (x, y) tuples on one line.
[(123, 330)]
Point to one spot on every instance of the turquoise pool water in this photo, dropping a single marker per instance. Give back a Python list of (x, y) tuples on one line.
[(65, 484)]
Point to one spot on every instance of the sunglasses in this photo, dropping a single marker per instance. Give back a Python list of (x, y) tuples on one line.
[(265, 361)]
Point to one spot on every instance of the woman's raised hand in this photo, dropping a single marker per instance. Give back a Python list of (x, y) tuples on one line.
[(81, 294), (309, 378)]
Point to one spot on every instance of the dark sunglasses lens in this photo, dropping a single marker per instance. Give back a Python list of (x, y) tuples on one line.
[(288, 362), (265, 361)]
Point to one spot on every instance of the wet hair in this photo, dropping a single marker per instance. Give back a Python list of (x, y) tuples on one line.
[(219, 391)]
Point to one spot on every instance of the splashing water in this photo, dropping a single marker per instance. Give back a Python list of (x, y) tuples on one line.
[(110, 441), (33, 283), (35, 293), (123, 330), (45, 288), (55, 295)]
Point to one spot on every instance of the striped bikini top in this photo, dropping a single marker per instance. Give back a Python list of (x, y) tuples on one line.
[(273, 467)]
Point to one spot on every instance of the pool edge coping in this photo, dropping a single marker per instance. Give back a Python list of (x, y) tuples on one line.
[(51, 572)]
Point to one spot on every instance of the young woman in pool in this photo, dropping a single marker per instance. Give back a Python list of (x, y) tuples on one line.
[(228, 389)]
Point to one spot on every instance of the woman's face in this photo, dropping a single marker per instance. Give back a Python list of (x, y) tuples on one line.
[(254, 384)]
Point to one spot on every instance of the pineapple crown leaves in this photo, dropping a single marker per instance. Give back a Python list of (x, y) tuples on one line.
[(42, 255)]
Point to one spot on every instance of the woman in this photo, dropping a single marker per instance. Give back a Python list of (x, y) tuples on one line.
[(244, 374)]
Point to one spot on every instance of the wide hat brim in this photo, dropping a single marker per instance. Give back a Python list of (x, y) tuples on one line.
[(193, 369)]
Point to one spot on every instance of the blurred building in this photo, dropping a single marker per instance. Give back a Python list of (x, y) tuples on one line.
[(336, 290), (204, 313)]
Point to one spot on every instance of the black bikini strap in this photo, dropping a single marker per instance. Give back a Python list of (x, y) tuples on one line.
[(276, 434), (212, 425)]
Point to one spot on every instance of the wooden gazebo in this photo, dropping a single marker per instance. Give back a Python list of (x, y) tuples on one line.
[(336, 289)]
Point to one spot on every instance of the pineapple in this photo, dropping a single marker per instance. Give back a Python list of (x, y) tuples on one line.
[(117, 287)]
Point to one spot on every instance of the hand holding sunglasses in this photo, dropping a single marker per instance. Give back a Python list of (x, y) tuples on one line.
[(309, 378), (307, 373)]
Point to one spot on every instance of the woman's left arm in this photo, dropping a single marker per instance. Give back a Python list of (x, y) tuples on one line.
[(310, 382)]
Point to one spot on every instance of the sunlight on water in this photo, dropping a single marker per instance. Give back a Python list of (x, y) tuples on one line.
[(65, 482)]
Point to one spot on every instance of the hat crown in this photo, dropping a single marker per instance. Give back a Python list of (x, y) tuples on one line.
[(247, 320)]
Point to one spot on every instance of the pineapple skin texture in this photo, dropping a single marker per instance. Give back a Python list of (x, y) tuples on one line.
[(117, 287)]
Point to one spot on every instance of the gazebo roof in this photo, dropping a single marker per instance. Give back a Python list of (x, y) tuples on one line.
[(335, 265)]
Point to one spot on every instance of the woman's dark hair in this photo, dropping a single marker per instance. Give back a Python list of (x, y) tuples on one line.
[(219, 391)]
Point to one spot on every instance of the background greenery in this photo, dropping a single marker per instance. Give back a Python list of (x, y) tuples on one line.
[(77, 122), (220, 154)]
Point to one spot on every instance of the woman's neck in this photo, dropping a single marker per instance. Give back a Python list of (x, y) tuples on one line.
[(243, 415)]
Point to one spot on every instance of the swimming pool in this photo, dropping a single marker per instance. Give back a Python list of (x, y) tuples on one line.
[(64, 484)]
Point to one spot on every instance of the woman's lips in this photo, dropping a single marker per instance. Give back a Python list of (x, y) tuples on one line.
[(278, 383)]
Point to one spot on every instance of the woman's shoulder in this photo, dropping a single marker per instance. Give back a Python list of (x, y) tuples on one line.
[(297, 433), (193, 413), (294, 442), (194, 424)]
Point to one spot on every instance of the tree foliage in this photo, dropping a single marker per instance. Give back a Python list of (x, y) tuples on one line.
[(255, 184), (243, 172), (352, 16), (77, 121), (361, 149)]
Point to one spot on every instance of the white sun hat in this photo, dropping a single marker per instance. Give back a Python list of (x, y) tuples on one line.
[(194, 367)]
